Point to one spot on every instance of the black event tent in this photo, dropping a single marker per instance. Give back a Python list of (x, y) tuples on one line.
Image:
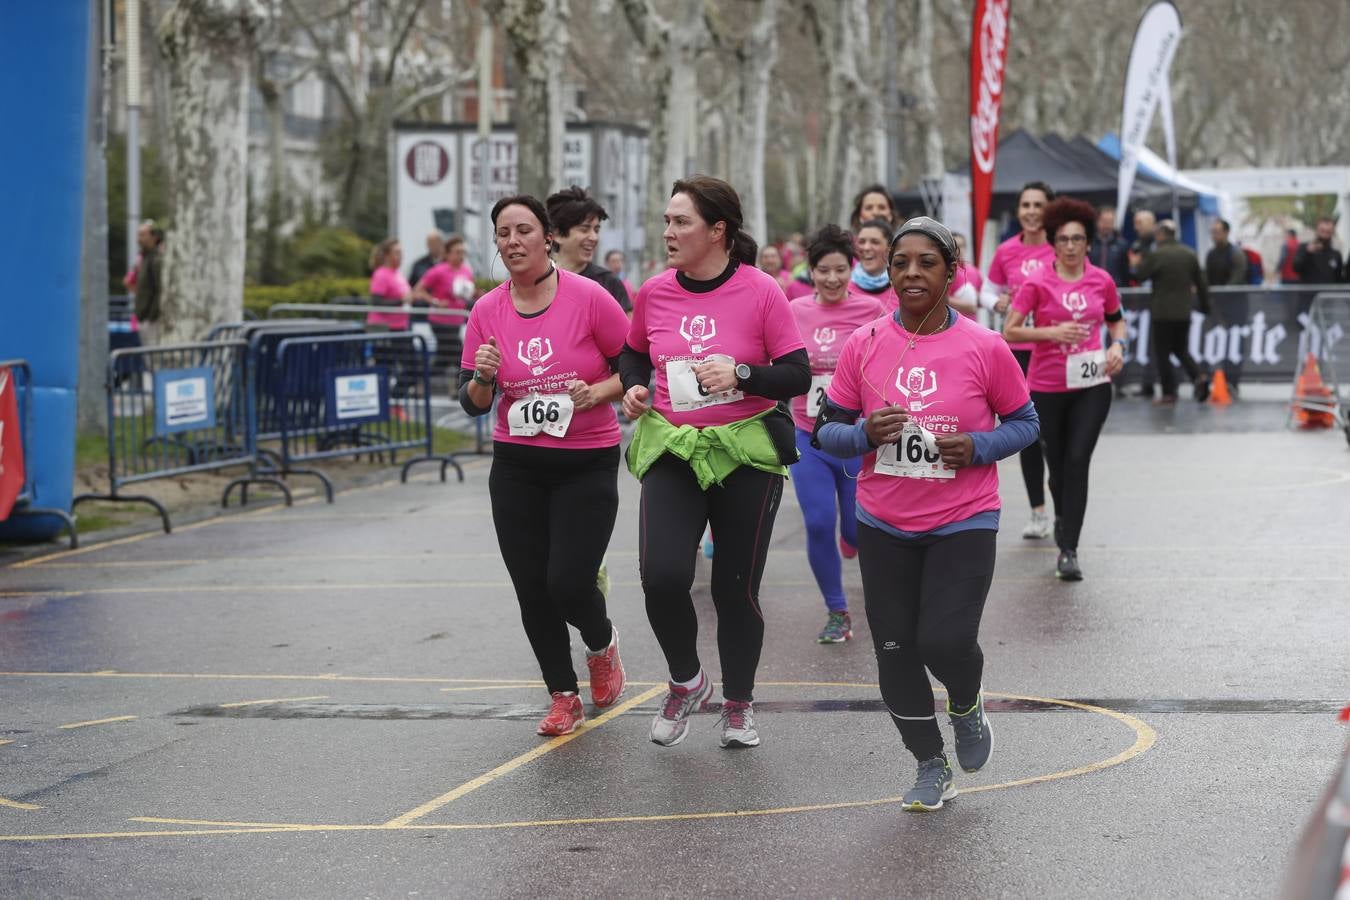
[(1076, 167)]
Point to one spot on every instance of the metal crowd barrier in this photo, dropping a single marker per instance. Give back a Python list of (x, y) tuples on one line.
[(23, 504), (445, 376), (1330, 326), (340, 395), (177, 410)]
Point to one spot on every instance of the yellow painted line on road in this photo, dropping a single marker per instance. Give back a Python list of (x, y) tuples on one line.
[(274, 700), (2, 743), (97, 722), (155, 820), (15, 804), (509, 766)]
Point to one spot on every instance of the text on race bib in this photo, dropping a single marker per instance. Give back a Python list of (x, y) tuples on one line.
[(687, 394), (540, 413), (1086, 369), (915, 455), (816, 398)]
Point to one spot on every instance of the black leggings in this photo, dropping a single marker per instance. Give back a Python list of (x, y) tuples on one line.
[(741, 512), (924, 601), (1033, 463), (1070, 424), (554, 512), (1171, 338)]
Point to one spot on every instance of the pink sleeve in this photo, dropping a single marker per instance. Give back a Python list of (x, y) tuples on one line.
[(609, 323), (996, 269), (1027, 298), (434, 281), (637, 328), (781, 335), (843, 390), (1112, 302), (377, 280), (473, 336), (1006, 388)]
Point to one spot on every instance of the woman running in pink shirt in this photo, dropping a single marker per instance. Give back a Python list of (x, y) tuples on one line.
[(710, 447), (1016, 260), (918, 394), (545, 344), (869, 277), (388, 286), (826, 487), (1070, 372)]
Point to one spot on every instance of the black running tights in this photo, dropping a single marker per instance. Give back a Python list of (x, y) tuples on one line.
[(1070, 424), (924, 600), (554, 513), (1033, 463), (741, 511)]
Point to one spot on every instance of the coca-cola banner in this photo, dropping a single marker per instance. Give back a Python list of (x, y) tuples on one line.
[(1146, 83), (988, 56), (1262, 333), (11, 448)]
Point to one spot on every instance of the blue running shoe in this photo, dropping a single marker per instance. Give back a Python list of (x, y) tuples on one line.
[(932, 787), (974, 737)]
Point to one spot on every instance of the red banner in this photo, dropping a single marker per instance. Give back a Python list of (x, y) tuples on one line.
[(988, 57), (11, 446)]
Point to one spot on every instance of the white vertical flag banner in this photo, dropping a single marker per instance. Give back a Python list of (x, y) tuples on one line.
[(1170, 138), (1146, 83)]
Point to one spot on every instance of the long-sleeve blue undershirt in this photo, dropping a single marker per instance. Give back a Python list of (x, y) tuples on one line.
[(1013, 432)]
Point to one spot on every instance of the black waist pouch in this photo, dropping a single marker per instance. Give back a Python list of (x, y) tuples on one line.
[(783, 433)]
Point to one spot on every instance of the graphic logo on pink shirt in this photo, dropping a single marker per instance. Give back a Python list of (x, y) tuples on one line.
[(535, 353), (912, 385), (825, 338), (699, 332), (1074, 301), (1030, 264)]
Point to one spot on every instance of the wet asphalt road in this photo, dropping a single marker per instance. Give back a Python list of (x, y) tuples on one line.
[(339, 701)]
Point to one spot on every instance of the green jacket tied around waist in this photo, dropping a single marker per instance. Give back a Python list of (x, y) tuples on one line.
[(713, 452)]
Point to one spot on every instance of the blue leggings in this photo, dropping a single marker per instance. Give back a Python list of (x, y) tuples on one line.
[(826, 489)]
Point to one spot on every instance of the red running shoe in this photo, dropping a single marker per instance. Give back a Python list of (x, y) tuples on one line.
[(607, 678), (847, 550), (563, 716)]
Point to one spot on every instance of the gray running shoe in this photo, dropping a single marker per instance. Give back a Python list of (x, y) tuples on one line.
[(672, 722), (1066, 566), (738, 724), (974, 737), (932, 787)]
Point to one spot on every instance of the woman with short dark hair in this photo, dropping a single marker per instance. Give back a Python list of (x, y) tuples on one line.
[(548, 342), (576, 217), (1070, 370), (932, 401), (710, 447)]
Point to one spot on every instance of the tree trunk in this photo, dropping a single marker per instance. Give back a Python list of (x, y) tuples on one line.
[(536, 31), (91, 408), (269, 268), (207, 46), (930, 103), (755, 62)]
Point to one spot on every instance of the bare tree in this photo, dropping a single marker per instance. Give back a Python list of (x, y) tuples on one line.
[(536, 31), (206, 44)]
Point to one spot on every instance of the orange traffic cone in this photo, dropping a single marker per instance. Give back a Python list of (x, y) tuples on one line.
[(1218, 390), (1312, 396)]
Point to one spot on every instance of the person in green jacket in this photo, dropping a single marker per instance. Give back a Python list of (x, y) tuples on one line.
[(1178, 286)]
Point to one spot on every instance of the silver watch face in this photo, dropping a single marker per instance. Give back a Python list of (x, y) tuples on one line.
[(742, 371)]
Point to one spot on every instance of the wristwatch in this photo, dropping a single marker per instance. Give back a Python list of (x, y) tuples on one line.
[(742, 373), (1123, 345)]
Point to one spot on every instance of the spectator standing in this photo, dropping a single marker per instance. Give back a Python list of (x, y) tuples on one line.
[(1317, 261), (1109, 250), (1145, 226), (150, 238), (1175, 272), (1226, 264), (388, 287), (614, 261), (435, 253), (1288, 250), (448, 285)]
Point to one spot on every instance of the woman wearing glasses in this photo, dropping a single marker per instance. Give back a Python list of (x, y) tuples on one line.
[(1070, 370)]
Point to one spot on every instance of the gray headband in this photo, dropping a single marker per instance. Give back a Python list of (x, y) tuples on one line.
[(930, 228)]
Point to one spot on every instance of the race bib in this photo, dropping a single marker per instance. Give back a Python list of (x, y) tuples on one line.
[(915, 455), (816, 398), (547, 413), (686, 394), (1086, 369)]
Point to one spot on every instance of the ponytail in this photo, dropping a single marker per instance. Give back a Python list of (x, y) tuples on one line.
[(744, 249)]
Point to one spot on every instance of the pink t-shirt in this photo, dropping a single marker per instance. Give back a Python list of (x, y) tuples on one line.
[(951, 382), (966, 284), (1015, 262), (574, 337), (440, 281), (824, 328), (797, 288), (389, 283), (887, 298), (746, 320), (1053, 300)]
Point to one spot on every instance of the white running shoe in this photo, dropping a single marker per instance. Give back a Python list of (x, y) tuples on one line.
[(1038, 527)]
